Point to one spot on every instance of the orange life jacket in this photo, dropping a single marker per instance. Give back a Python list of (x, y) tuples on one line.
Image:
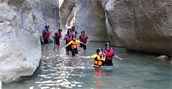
[(98, 61), (74, 44)]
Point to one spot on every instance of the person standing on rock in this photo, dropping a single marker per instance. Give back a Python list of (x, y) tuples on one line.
[(57, 36), (45, 35), (110, 53), (74, 46), (83, 38), (74, 32), (68, 38)]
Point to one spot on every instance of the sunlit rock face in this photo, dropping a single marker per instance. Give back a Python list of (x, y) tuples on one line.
[(21, 22), (87, 15), (141, 25)]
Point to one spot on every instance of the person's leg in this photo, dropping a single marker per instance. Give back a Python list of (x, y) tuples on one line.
[(58, 45), (67, 50), (73, 52), (54, 49), (42, 48), (46, 43), (47, 47), (76, 52), (85, 48), (80, 47)]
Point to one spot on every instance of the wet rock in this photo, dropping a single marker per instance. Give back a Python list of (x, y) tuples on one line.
[(21, 22), (65, 10), (162, 57), (88, 16), (141, 25)]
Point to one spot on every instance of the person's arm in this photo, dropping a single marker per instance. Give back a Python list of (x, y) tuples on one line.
[(116, 57), (63, 39), (87, 40), (68, 44), (53, 35), (89, 57), (83, 43), (85, 57)]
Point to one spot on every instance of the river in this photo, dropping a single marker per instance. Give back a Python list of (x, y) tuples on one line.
[(58, 71)]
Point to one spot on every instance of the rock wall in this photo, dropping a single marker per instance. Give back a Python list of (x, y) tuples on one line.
[(141, 25), (21, 22), (87, 15)]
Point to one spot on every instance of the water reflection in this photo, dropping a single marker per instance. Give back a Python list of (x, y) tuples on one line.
[(97, 75)]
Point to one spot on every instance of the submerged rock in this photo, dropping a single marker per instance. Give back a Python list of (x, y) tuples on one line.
[(21, 22), (141, 25), (162, 57)]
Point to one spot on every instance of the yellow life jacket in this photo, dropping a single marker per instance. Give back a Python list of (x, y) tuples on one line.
[(74, 44), (98, 61)]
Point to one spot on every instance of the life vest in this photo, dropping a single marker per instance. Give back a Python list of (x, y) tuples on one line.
[(109, 54), (47, 34), (57, 35), (83, 38), (74, 45), (98, 61), (68, 38)]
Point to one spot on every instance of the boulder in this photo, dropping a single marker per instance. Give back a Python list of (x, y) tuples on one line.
[(141, 25), (21, 22)]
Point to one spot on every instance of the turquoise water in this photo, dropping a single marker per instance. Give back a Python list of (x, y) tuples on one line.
[(58, 71)]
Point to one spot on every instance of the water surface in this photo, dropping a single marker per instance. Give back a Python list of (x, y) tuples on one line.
[(58, 71)]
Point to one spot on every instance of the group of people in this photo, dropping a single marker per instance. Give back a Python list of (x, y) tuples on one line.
[(103, 57)]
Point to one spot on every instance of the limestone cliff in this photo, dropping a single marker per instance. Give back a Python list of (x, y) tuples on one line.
[(141, 25), (21, 22)]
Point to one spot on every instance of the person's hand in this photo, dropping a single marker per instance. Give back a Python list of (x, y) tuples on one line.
[(64, 47), (42, 40), (120, 59), (79, 49)]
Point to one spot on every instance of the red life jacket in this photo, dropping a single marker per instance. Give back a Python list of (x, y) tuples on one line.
[(109, 54), (58, 35), (83, 38), (68, 39), (47, 34)]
